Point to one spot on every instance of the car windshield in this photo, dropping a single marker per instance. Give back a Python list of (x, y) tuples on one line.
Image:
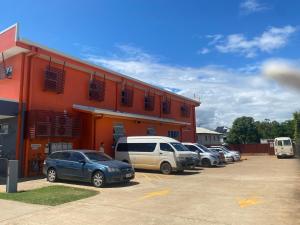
[(97, 156), (287, 142), (203, 148), (179, 147), (225, 150)]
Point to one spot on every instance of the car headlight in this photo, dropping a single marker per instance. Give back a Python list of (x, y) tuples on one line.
[(113, 170)]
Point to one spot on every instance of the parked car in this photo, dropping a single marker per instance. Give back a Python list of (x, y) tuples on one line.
[(236, 155), (155, 153), (228, 156), (87, 166), (283, 147), (220, 155), (206, 157)]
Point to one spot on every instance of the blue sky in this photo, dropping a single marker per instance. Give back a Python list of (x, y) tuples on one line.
[(215, 49)]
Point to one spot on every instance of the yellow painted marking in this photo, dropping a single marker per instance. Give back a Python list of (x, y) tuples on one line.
[(156, 194), (249, 202)]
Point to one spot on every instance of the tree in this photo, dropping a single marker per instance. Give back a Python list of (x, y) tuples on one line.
[(296, 116), (268, 129), (243, 131)]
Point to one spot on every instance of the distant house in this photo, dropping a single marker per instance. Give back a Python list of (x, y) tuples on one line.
[(223, 130), (208, 137)]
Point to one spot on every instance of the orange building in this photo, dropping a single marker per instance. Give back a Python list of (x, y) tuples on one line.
[(50, 101)]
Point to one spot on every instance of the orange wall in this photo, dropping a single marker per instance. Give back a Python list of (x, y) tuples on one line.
[(76, 92), (10, 88), (7, 39), (104, 130)]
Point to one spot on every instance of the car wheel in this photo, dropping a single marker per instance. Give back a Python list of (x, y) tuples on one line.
[(51, 175), (166, 168), (206, 163), (98, 179), (278, 157)]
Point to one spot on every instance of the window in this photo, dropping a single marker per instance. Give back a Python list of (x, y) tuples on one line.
[(151, 131), (205, 137), (60, 155), (287, 142), (166, 106), (76, 157), (56, 155), (54, 80), (3, 128), (173, 134), (279, 143), (192, 148), (127, 97), (179, 147), (136, 147), (65, 156), (203, 148), (98, 156), (185, 110), (118, 131), (149, 102), (96, 90), (166, 147)]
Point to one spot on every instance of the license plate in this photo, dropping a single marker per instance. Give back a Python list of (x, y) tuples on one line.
[(128, 175)]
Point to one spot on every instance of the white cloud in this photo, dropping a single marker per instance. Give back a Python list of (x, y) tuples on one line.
[(203, 51), (225, 93), (251, 6), (270, 40)]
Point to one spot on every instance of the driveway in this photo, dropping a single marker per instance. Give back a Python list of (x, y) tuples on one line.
[(259, 190)]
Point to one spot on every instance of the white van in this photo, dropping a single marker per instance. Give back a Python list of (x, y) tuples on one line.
[(283, 147), (155, 153)]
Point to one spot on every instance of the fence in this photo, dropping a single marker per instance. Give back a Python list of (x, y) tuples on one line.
[(253, 148)]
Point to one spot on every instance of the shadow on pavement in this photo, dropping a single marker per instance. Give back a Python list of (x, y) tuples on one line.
[(86, 184)]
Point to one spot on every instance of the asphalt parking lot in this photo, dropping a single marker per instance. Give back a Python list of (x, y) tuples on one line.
[(259, 190)]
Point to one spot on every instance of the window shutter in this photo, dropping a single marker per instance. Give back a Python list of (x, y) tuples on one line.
[(54, 79), (185, 110), (127, 97), (149, 102), (166, 106), (2, 71), (97, 90), (46, 124)]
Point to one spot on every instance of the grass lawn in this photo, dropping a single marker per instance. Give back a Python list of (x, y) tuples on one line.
[(51, 195)]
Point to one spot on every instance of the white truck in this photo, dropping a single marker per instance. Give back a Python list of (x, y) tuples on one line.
[(283, 147)]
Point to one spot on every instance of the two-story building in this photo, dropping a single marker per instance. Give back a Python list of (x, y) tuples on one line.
[(51, 101)]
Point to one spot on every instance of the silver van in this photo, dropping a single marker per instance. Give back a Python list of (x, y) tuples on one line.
[(155, 153)]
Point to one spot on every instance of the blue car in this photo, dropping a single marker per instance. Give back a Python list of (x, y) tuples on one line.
[(87, 166)]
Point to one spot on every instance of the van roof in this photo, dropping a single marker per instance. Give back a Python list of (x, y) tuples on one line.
[(166, 139), (282, 138)]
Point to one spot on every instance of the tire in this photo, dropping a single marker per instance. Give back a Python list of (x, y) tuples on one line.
[(166, 168), (98, 179), (278, 157), (51, 175), (206, 162)]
